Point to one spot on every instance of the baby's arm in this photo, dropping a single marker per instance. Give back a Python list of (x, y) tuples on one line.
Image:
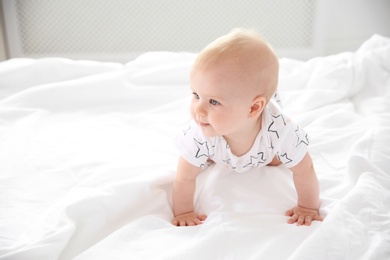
[(183, 195), (307, 187)]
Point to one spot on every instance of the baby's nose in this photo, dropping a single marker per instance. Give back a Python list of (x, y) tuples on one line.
[(200, 110)]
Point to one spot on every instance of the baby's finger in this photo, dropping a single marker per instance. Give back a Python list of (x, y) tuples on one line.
[(318, 218), (308, 220), (293, 219), (202, 217), (301, 220), (289, 213), (191, 222), (197, 221)]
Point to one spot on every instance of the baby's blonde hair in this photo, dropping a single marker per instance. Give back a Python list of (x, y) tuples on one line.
[(247, 50)]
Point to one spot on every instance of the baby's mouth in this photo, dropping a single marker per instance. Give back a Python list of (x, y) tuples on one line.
[(201, 123)]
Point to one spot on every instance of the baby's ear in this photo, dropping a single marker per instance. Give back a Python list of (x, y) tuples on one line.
[(257, 107)]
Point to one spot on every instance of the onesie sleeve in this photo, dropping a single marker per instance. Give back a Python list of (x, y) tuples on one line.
[(287, 139), (193, 146), (293, 144)]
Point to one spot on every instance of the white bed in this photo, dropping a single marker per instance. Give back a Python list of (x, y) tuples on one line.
[(87, 162)]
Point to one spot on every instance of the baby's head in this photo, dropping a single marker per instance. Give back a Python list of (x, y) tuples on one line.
[(232, 80), (244, 57)]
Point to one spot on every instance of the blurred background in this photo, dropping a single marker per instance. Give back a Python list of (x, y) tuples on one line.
[(120, 30)]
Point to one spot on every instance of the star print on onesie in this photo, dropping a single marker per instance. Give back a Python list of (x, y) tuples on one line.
[(279, 136)]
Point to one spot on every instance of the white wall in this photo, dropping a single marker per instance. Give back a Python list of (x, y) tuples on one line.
[(2, 44), (2, 38), (347, 24), (350, 22)]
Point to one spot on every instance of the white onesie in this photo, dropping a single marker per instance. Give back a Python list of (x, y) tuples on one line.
[(278, 136)]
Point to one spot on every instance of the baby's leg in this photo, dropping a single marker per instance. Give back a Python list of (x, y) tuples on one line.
[(275, 162)]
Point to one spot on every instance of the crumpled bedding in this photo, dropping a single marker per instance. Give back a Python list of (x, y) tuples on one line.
[(87, 162)]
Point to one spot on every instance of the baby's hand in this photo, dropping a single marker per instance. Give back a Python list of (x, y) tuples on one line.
[(303, 216), (189, 219)]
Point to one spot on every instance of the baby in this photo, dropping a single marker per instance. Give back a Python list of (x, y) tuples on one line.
[(237, 122)]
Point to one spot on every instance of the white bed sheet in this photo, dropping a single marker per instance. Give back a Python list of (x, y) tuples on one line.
[(87, 163)]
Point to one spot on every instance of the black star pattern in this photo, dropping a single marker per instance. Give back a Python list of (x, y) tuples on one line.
[(213, 146), (277, 99), (228, 162), (250, 163), (185, 131), (272, 128), (203, 149), (261, 160), (284, 158), (300, 139)]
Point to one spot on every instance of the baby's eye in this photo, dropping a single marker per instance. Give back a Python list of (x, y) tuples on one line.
[(195, 95), (214, 102)]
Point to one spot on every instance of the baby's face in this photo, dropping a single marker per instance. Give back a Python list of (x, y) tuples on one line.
[(221, 100)]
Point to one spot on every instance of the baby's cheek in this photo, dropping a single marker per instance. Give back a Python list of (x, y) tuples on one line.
[(192, 113)]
